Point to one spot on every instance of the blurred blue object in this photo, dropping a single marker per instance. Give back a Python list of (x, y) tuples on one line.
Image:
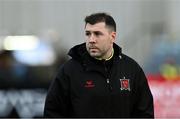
[(43, 55)]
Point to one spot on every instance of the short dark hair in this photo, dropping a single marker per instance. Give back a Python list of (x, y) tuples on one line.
[(101, 17)]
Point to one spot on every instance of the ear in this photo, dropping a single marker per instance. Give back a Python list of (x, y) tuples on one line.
[(113, 36)]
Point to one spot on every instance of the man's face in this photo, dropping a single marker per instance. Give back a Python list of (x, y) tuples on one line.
[(99, 40)]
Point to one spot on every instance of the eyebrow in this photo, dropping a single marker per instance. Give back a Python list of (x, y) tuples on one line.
[(93, 31)]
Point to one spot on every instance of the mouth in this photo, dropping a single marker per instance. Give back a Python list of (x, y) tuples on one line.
[(93, 48)]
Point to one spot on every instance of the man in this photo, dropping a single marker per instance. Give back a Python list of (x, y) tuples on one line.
[(99, 81)]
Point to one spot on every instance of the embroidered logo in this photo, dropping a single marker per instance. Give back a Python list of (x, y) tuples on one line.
[(89, 84), (125, 85)]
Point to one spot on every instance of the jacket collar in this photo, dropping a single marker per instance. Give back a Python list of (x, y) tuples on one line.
[(80, 54)]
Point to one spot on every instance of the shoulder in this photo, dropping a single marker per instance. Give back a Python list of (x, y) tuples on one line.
[(130, 62), (128, 59), (71, 63), (69, 66)]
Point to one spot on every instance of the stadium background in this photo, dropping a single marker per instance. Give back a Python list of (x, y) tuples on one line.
[(35, 36)]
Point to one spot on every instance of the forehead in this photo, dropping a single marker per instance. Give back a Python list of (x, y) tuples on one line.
[(95, 27)]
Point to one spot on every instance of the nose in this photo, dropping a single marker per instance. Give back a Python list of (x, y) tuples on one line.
[(92, 39)]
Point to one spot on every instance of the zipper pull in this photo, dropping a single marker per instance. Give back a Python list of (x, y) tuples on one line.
[(109, 85), (107, 80)]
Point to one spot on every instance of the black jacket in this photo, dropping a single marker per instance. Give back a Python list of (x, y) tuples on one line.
[(85, 87)]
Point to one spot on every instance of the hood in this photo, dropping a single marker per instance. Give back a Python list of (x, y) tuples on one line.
[(79, 52)]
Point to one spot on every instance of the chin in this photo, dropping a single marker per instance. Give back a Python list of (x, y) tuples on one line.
[(94, 55)]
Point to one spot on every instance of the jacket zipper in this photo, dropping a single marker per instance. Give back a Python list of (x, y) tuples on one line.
[(108, 83), (107, 78)]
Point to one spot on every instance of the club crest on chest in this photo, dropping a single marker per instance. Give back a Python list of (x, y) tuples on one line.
[(125, 84)]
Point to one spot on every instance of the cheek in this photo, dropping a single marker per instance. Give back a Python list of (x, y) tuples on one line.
[(111, 40), (87, 45), (105, 44), (86, 42)]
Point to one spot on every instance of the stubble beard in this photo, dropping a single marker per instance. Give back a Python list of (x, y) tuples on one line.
[(94, 54)]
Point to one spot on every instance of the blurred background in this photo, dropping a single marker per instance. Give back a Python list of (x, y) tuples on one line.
[(36, 35)]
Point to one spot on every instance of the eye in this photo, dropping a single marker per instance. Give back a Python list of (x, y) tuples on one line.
[(88, 33), (97, 33)]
